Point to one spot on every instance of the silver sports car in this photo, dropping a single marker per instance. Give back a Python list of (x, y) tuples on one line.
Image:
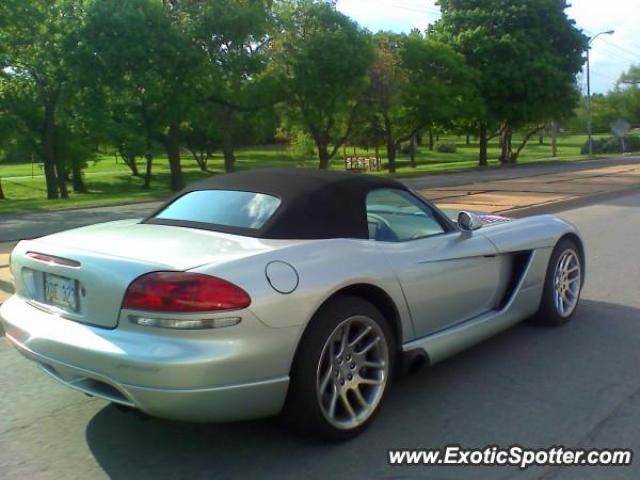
[(294, 291)]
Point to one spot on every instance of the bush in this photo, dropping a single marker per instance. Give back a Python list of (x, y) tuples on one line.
[(446, 148), (302, 146), (632, 143), (612, 145), (598, 145)]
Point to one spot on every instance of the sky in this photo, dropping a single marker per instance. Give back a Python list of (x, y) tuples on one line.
[(610, 54)]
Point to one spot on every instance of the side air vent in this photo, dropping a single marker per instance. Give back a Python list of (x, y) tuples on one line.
[(520, 262)]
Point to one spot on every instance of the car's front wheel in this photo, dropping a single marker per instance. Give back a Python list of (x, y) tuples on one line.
[(342, 370), (563, 284)]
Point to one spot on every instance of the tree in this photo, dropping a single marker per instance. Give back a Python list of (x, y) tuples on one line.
[(368, 130), (622, 102), (202, 135), (603, 114), (113, 119), (631, 76), (236, 36), (139, 57), (527, 55), (414, 84), (624, 99), (74, 144), (35, 74), (383, 99), (322, 59), (8, 141)]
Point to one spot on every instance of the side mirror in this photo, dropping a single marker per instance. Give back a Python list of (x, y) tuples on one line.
[(468, 221)]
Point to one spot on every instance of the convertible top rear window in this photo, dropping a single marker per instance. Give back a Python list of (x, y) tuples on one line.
[(222, 207), (277, 203)]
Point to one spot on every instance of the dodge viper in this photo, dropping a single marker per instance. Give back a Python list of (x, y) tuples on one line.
[(281, 291)]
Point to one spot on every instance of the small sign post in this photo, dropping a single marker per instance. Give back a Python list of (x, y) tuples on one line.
[(620, 128)]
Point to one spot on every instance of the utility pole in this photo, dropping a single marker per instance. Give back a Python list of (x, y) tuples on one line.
[(589, 127)]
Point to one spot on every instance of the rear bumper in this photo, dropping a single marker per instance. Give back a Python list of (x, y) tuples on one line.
[(228, 374)]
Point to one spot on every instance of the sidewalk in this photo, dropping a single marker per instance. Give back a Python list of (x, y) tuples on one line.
[(533, 194), (515, 192)]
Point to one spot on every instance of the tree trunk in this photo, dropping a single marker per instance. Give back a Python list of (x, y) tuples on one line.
[(430, 139), (129, 159), (391, 155), (78, 182), (227, 140), (323, 155), (484, 142), (147, 175), (541, 140), (516, 154), (390, 144), (57, 174), (2, 197), (505, 145), (229, 156), (468, 139), (61, 175), (554, 139), (148, 154), (509, 146), (133, 166), (413, 151), (48, 147), (173, 151), (201, 158)]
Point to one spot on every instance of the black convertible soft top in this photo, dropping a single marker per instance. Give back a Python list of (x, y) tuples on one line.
[(315, 204)]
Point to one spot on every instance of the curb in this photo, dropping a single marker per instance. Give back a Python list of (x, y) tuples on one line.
[(516, 166), (86, 207)]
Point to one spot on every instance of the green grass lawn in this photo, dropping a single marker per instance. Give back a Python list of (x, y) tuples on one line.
[(109, 181)]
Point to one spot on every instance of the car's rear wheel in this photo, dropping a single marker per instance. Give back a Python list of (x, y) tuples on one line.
[(342, 370), (563, 284)]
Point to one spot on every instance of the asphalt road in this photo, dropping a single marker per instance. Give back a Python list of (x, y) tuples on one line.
[(576, 386)]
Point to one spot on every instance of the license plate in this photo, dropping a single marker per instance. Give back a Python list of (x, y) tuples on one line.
[(61, 292)]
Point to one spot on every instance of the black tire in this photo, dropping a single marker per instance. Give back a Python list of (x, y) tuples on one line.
[(549, 313), (303, 412)]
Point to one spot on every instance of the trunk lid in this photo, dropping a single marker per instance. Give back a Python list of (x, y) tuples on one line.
[(110, 257)]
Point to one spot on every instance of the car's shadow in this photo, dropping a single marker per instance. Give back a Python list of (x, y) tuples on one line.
[(530, 385)]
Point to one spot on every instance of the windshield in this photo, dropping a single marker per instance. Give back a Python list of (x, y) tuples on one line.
[(222, 207)]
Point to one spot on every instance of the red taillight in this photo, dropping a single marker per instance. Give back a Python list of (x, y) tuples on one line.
[(184, 292)]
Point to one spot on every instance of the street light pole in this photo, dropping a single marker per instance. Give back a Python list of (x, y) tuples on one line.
[(589, 128), (589, 132)]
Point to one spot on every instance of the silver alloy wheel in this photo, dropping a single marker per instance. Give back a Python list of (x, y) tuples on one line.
[(352, 373), (567, 282)]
